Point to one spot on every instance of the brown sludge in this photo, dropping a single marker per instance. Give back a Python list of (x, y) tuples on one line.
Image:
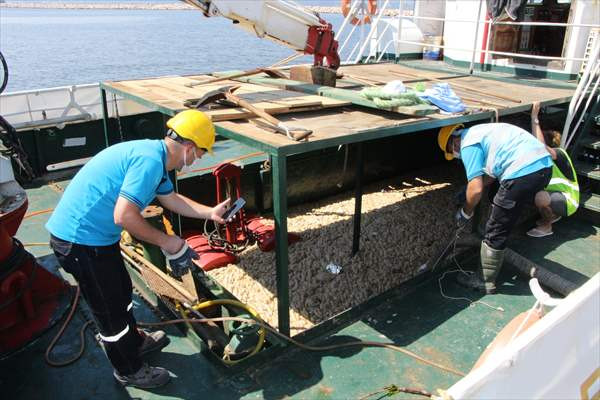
[(402, 220)]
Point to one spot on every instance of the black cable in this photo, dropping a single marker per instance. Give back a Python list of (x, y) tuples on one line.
[(5, 73)]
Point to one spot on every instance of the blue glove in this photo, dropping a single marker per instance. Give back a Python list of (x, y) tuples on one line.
[(462, 218), (181, 261)]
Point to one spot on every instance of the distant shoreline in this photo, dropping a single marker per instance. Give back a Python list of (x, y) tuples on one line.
[(125, 6), (142, 6)]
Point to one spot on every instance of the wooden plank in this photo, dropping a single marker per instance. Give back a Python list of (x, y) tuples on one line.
[(171, 92)]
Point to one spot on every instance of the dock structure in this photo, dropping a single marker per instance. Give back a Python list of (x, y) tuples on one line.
[(336, 116)]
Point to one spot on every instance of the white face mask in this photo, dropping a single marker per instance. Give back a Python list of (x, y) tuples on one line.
[(185, 158)]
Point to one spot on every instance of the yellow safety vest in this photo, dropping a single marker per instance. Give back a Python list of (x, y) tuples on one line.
[(560, 183)]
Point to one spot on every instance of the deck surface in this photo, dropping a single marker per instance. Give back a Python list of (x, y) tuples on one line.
[(414, 316)]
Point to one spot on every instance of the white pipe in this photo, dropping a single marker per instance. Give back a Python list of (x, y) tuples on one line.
[(593, 59), (516, 55), (531, 23), (352, 53), (487, 42), (377, 47), (346, 20), (476, 37), (366, 42), (384, 49), (401, 12), (587, 104), (347, 39), (47, 90), (53, 121)]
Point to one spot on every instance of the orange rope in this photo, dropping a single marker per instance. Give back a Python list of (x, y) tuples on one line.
[(258, 153), (33, 214)]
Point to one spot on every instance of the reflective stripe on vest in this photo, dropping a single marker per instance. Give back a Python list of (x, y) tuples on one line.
[(560, 183), (115, 338), (475, 137), (130, 306)]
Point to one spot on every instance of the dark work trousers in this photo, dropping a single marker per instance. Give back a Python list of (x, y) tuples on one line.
[(508, 199), (106, 287)]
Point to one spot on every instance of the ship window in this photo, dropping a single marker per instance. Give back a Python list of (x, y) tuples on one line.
[(535, 40)]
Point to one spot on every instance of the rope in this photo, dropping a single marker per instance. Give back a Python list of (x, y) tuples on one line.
[(391, 346), (34, 213), (461, 270), (391, 390), (286, 60), (61, 331)]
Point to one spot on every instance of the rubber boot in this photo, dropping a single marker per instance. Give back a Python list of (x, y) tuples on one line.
[(491, 262), (484, 279)]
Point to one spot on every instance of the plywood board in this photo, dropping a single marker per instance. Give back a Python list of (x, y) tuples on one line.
[(173, 91), (475, 90)]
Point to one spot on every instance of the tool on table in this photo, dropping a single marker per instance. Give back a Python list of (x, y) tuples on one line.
[(269, 71), (226, 93)]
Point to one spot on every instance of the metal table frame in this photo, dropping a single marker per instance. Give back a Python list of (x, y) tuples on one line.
[(278, 156)]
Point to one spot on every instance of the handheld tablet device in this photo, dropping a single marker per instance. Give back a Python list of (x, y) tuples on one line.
[(235, 208)]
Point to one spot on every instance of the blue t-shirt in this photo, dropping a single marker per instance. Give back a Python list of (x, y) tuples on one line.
[(135, 170), (510, 144)]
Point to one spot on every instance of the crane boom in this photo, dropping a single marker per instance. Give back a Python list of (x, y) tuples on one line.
[(282, 21)]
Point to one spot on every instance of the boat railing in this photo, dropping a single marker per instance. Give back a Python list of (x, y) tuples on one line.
[(374, 38), (34, 109)]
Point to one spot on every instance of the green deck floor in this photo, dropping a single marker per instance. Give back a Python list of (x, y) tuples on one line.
[(414, 316)]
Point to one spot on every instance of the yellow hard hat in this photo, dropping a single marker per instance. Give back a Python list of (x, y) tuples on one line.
[(196, 126), (444, 136)]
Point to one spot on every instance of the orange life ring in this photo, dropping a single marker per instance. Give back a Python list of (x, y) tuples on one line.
[(372, 7), (371, 10)]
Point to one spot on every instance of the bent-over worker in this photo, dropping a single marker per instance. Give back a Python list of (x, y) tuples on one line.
[(522, 167), (561, 197), (106, 196)]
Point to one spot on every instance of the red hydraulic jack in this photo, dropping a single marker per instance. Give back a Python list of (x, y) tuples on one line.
[(31, 298), (240, 231)]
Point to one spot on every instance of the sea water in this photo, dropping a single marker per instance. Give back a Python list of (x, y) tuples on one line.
[(57, 47)]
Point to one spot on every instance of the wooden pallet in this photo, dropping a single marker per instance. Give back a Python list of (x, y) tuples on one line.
[(172, 93)]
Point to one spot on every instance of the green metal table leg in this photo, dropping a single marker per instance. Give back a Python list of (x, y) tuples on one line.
[(358, 197), (280, 214), (175, 218), (104, 115)]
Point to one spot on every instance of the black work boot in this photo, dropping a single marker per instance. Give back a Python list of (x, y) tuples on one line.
[(484, 279), (146, 378)]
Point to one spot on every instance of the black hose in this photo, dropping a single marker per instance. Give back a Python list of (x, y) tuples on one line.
[(5, 73), (533, 270)]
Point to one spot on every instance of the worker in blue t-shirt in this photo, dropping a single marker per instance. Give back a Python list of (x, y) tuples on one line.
[(106, 196), (519, 163)]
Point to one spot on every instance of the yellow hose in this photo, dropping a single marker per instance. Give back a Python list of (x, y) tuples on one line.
[(261, 332)]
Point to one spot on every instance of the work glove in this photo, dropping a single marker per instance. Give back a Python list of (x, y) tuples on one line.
[(181, 261), (462, 218)]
